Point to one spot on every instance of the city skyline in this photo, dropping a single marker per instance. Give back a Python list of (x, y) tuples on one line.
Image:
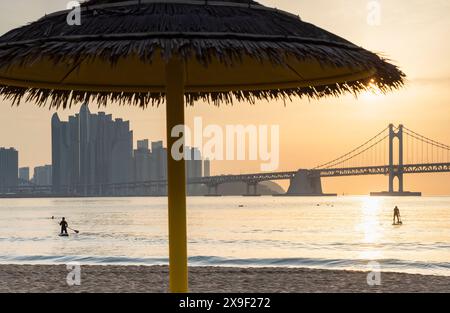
[(328, 127), (97, 150), (91, 149), (192, 154)]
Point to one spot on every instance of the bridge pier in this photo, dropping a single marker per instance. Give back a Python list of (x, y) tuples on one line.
[(254, 186), (213, 191), (303, 184)]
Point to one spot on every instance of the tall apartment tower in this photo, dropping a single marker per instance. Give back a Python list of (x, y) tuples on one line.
[(43, 175), (193, 158), (142, 162), (9, 169), (158, 170), (24, 174), (90, 150), (207, 168)]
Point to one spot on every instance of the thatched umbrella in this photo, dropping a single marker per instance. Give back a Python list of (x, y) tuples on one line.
[(180, 51)]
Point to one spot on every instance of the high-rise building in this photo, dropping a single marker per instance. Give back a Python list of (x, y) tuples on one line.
[(151, 165), (65, 154), (159, 161), (196, 158), (24, 174), (90, 150), (158, 169), (43, 175), (143, 144), (122, 152), (207, 168), (193, 158), (142, 162), (9, 169), (188, 163)]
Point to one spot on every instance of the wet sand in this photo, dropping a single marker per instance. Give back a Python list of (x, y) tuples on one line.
[(107, 279)]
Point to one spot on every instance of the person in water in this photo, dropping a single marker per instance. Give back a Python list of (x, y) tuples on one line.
[(64, 226), (397, 215)]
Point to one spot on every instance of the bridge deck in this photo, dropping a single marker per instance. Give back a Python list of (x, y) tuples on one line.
[(258, 177), (382, 170)]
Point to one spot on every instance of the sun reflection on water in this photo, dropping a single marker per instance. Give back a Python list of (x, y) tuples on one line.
[(370, 228)]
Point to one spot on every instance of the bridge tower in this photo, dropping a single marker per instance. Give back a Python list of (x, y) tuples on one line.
[(395, 171)]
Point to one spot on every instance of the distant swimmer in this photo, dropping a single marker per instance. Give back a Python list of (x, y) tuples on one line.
[(64, 226), (397, 215)]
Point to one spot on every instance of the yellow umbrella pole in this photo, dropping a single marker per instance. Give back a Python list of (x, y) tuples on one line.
[(178, 266)]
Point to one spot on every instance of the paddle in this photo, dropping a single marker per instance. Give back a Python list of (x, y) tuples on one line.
[(76, 231)]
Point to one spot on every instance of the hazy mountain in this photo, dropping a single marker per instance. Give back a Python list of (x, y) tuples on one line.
[(239, 189)]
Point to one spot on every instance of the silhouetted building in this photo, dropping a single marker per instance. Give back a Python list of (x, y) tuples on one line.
[(142, 162), (197, 163), (207, 168), (193, 159), (24, 174), (43, 175), (194, 169), (89, 151), (143, 144), (9, 168), (150, 165), (158, 168)]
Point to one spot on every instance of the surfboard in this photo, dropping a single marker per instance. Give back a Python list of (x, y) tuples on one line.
[(63, 235)]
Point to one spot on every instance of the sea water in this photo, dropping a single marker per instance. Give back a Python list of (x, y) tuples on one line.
[(346, 232)]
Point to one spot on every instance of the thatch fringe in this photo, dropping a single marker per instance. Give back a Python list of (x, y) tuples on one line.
[(65, 99), (202, 32)]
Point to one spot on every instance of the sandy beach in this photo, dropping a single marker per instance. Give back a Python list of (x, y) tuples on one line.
[(144, 279)]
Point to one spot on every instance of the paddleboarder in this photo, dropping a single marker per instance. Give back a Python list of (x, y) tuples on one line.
[(397, 215), (64, 226)]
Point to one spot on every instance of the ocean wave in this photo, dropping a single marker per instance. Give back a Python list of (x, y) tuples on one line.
[(162, 240), (386, 265)]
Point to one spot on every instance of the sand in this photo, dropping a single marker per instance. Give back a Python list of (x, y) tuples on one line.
[(107, 279)]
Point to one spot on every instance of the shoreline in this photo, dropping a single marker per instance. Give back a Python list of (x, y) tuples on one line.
[(154, 279)]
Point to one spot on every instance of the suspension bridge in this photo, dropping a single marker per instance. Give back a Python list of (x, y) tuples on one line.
[(393, 152), (413, 153)]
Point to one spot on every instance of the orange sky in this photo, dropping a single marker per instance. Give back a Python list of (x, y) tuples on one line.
[(413, 33)]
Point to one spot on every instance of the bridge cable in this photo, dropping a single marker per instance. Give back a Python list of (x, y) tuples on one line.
[(335, 161), (358, 154)]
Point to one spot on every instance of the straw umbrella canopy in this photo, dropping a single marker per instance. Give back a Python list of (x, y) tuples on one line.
[(148, 52)]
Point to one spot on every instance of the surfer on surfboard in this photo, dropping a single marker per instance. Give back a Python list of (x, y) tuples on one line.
[(64, 226), (397, 215)]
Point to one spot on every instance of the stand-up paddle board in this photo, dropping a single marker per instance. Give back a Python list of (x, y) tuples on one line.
[(63, 235)]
